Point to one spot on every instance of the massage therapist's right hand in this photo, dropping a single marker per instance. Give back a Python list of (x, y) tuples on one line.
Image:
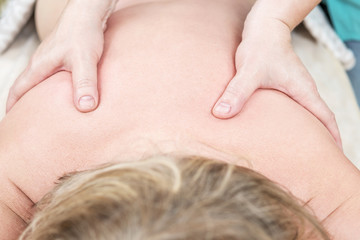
[(76, 46)]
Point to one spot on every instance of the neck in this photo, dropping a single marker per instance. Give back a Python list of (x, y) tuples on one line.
[(344, 222), (15, 208)]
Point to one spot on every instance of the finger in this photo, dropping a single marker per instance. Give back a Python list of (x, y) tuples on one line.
[(36, 72), (235, 96), (309, 98), (84, 75)]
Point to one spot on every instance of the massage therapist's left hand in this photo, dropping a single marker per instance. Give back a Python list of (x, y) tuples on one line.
[(265, 59)]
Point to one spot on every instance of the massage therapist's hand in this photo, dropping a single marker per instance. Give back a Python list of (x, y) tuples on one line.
[(76, 46), (265, 59)]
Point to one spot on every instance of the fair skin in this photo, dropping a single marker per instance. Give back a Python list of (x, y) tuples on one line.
[(148, 108), (260, 58)]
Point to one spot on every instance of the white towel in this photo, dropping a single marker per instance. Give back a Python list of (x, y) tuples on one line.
[(14, 15), (319, 27)]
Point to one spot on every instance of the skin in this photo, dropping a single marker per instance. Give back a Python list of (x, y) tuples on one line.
[(266, 34), (148, 108), (261, 56)]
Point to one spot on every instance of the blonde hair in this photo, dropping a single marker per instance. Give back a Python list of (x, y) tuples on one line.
[(168, 197)]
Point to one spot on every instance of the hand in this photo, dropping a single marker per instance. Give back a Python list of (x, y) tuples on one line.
[(76, 46), (267, 60)]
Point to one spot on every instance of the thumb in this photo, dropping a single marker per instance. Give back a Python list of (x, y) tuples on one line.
[(84, 75), (235, 96)]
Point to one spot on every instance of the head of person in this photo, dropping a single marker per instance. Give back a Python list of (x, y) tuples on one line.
[(171, 197)]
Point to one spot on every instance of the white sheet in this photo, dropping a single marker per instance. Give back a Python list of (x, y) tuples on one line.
[(331, 79), (15, 59), (14, 15)]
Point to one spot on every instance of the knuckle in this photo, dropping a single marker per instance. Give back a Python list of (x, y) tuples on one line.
[(236, 94), (307, 94), (31, 63), (14, 93), (311, 86), (86, 55), (32, 66), (233, 90), (298, 93), (332, 117), (37, 55), (84, 83)]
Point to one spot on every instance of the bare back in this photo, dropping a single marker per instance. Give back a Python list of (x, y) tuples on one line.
[(164, 65)]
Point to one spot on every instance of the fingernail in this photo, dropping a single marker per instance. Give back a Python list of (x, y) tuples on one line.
[(86, 102), (223, 108)]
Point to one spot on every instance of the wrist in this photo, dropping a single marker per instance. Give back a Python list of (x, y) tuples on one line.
[(289, 12), (266, 29), (96, 11)]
